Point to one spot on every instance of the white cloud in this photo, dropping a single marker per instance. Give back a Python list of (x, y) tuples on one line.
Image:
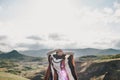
[(108, 10)]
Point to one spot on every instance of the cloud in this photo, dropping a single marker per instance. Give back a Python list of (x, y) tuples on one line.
[(3, 37), (93, 3), (103, 45), (3, 44), (56, 37), (35, 38), (117, 44), (3, 40), (72, 45), (35, 46)]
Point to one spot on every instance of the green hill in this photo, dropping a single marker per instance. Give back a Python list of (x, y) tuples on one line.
[(13, 54), (8, 76), (16, 56)]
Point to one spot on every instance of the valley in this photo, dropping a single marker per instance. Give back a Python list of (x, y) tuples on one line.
[(89, 67)]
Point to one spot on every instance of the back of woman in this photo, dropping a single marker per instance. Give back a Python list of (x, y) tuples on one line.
[(61, 66)]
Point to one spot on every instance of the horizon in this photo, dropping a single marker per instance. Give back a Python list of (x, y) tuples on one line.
[(62, 49)]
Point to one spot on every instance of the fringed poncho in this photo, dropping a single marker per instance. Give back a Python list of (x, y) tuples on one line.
[(61, 68)]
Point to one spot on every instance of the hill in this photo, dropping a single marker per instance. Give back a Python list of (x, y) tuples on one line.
[(13, 54), (110, 51), (105, 67), (16, 56), (8, 76), (35, 53), (99, 70)]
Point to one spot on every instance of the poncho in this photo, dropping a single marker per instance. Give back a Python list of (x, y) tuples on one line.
[(61, 68)]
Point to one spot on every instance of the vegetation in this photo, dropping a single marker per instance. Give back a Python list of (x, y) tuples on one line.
[(88, 57), (8, 76), (110, 56), (16, 56), (27, 68), (99, 57), (13, 63), (7, 64), (14, 71)]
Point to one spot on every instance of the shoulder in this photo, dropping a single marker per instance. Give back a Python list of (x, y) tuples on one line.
[(50, 57)]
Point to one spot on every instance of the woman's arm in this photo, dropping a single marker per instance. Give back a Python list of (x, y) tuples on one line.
[(69, 53), (50, 52)]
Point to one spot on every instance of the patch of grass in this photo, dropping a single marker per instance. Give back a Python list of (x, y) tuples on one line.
[(110, 56), (14, 71), (8, 76), (99, 57), (7, 64)]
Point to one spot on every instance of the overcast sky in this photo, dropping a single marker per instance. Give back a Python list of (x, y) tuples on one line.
[(38, 24)]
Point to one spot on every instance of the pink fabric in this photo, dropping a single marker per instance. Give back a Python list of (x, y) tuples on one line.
[(63, 72), (63, 75)]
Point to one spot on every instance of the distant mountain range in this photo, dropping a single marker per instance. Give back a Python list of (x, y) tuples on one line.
[(32, 54), (15, 55), (78, 52)]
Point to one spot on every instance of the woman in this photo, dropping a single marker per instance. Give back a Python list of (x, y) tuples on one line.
[(61, 66)]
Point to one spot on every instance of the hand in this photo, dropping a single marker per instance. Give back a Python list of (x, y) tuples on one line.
[(57, 49), (52, 51), (70, 53)]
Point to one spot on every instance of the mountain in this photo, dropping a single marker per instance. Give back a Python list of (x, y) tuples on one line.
[(78, 52), (12, 54), (15, 55), (110, 51), (35, 53)]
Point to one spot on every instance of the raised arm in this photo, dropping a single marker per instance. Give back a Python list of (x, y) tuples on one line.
[(50, 52), (69, 53)]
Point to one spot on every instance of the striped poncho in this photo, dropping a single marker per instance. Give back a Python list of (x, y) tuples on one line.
[(61, 68)]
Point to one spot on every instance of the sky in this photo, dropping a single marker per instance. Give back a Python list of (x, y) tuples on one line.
[(73, 24)]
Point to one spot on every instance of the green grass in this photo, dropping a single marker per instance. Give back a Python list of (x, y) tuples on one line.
[(8, 76)]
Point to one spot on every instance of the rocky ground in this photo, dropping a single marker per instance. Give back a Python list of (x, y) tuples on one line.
[(99, 70)]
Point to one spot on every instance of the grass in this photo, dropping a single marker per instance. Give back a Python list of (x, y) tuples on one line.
[(8, 76), (105, 60)]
